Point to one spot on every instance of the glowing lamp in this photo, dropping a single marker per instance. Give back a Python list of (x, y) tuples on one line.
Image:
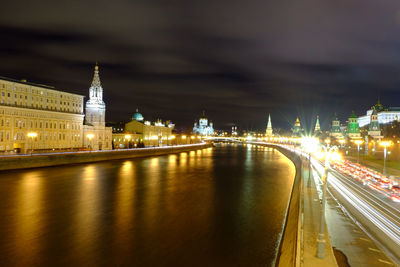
[(310, 144), (32, 134), (358, 142), (385, 143)]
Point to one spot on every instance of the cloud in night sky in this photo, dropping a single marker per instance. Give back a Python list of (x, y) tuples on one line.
[(238, 60)]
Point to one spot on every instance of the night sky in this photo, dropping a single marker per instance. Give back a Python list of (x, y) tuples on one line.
[(238, 60)]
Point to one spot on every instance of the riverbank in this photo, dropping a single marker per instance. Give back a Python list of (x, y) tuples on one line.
[(64, 158)]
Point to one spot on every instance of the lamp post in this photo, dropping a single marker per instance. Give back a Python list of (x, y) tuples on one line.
[(358, 143), (330, 154), (32, 135), (128, 137), (310, 145), (341, 141), (90, 137), (385, 144)]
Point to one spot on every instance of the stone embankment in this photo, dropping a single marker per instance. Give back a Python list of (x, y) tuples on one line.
[(64, 158), (298, 244)]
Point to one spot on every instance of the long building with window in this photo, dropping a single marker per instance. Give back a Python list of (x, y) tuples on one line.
[(39, 117), (54, 118)]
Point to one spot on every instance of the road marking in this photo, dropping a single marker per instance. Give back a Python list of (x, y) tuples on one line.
[(356, 231), (365, 239), (374, 249), (387, 262)]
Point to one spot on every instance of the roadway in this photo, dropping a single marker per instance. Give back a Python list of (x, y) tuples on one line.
[(378, 215)]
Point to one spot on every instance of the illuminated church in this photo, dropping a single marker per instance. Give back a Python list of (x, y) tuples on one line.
[(203, 127)]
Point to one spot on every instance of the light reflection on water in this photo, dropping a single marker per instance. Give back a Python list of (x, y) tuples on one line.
[(210, 207)]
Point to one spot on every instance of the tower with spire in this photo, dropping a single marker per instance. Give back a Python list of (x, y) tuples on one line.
[(353, 129), (268, 131), (95, 106), (374, 129), (95, 135), (335, 130), (296, 130), (317, 129)]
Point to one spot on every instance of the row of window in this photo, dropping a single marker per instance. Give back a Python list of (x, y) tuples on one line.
[(8, 95), (37, 106), (5, 136), (43, 92), (36, 124)]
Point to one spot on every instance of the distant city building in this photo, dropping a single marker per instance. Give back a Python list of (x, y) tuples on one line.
[(234, 131), (140, 132), (353, 129), (297, 130), (374, 129), (203, 127), (317, 129), (336, 131), (268, 131), (95, 133), (385, 115)]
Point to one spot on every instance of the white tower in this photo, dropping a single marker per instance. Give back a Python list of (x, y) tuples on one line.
[(268, 131), (95, 106)]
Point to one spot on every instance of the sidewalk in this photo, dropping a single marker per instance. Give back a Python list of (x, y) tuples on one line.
[(311, 226)]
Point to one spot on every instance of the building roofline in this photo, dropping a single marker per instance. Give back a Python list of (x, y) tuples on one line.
[(48, 87)]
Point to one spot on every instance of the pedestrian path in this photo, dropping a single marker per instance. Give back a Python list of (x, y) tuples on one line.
[(311, 225)]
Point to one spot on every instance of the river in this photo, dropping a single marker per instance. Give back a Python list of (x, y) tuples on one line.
[(221, 206)]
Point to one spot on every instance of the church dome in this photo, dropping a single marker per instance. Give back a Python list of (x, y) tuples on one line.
[(137, 116)]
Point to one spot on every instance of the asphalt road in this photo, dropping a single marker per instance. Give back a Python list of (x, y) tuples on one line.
[(376, 212)]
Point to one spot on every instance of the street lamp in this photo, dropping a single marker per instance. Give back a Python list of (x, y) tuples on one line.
[(341, 141), (385, 144), (90, 137), (310, 145), (128, 137), (358, 143), (331, 154), (32, 135)]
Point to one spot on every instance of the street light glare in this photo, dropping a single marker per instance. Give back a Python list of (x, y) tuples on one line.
[(385, 143), (310, 144), (335, 156), (358, 142)]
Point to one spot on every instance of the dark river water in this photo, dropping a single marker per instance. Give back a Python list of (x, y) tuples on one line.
[(221, 206)]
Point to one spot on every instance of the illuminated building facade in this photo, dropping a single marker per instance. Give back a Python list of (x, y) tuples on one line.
[(385, 115), (53, 119), (139, 131), (95, 133), (203, 127)]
